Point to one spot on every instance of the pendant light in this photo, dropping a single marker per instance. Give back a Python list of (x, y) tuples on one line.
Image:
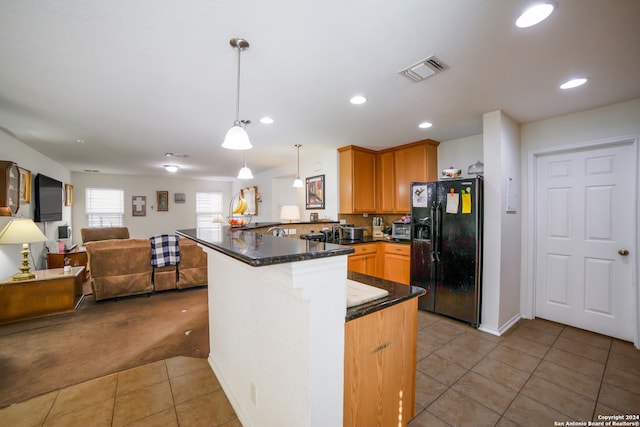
[(245, 172), (236, 137), (297, 183)]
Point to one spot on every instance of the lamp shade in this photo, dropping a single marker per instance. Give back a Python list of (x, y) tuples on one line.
[(237, 139), (245, 173), (289, 213), (22, 230), (297, 183)]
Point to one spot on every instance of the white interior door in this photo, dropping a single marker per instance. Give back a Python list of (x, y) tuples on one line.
[(585, 220)]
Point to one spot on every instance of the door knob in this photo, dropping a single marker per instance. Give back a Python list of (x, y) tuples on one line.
[(623, 252)]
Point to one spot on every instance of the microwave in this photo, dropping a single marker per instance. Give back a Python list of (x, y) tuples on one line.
[(400, 230)]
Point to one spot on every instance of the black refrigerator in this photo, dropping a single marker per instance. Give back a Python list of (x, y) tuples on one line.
[(446, 246)]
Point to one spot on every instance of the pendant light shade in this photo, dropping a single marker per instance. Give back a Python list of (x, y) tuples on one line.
[(297, 183), (245, 172), (237, 137)]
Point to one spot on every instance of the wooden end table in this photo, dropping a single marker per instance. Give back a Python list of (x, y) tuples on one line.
[(52, 292)]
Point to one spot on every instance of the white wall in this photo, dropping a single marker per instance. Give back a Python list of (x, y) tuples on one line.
[(460, 153), (275, 187), (179, 216), (500, 294), (27, 158)]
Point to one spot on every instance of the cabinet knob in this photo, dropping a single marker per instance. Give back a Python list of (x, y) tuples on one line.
[(623, 252)]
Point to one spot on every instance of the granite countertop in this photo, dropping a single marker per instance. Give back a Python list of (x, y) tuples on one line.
[(397, 294), (262, 249)]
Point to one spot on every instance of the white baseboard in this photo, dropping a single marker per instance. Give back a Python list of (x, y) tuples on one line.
[(504, 328)]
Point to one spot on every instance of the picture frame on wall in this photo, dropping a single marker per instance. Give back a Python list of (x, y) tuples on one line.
[(162, 200), (68, 195), (138, 205), (25, 185), (250, 194), (315, 192)]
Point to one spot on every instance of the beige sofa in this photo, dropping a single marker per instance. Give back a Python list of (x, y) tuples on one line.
[(121, 267)]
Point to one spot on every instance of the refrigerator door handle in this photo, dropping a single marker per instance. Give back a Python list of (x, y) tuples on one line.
[(438, 225), (434, 221)]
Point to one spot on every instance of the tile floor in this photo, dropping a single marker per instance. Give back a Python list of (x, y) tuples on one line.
[(538, 373)]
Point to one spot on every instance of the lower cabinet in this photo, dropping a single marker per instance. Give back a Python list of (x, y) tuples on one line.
[(397, 262), (365, 259), (390, 261), (380, 367)]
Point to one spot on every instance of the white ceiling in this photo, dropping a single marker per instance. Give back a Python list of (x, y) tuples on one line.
[(137, 79)]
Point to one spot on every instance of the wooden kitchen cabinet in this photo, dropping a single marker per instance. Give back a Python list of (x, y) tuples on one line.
[(380, 367), (9, 188), (379, 181), (385, 182), (365, 259), (357, 180), (415, 162), (396, 262)]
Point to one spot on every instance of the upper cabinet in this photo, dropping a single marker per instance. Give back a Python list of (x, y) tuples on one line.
[(9, 188), (379, 181), (357, 180), (413, 163)]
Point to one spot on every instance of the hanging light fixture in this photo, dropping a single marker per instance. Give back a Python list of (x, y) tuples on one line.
[(237, 137), (297, 183), (245, 172)]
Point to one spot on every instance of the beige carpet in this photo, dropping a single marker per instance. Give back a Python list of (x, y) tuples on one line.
[(41, 355)]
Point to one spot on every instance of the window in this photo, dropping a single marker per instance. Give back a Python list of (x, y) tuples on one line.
[(209, 209), (105, 207)]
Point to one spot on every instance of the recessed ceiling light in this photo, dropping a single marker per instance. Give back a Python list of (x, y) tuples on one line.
[(425, 125), (266, 120), (80, 141), (358, 99), (534, 15), (171, 168), (570, 84)]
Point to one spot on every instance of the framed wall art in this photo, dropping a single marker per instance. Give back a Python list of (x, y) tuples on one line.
[(315, 192), (68, 195), (162, 200), (25, 185), (250, 194), (139, 206)]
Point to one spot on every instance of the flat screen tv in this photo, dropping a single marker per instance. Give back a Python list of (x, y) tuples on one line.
[(48, 195)]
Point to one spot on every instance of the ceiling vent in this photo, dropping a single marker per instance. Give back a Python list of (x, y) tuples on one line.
[(423, 69)]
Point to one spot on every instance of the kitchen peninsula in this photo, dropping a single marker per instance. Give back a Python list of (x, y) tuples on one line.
[(277, 320)]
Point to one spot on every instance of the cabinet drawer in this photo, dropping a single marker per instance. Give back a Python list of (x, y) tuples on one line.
[(365, 248), (397, 248)]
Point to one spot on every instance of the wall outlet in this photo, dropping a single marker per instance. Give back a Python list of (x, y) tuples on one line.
[(253, 393), (292, 231)]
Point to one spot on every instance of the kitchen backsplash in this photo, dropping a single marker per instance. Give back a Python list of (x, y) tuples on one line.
[(367, 222)]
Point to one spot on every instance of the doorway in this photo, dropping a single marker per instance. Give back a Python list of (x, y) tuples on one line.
[(585, 245)]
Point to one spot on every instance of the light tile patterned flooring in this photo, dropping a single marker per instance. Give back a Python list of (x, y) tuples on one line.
[(538, 373)]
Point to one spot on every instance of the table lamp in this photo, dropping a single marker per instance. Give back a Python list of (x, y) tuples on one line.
[(23, 231), (290, 213)]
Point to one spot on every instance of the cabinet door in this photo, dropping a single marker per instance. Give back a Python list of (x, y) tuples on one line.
[(385, 178), (365, 259), (397, 262), (356, 263), (357, 180), (410, 166), (380, 367), (396, 268)]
